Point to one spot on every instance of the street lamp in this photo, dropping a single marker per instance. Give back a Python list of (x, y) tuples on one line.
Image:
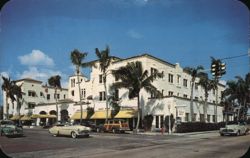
[(169, 121)]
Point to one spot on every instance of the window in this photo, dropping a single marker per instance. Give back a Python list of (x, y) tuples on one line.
[(185, 82), (102, 96), (196, 86), (162, 120), (64, 96), (170, 93), (31, 94), (41, 94), (100, 78), (195, 115), (213, 118), (31, 105), (73, 82), (153, 71), (170, 78), (156, 121), (186, 117), (178, 79), (48, 96), (116, 78), (116, 94), (72, 93), (213, 92), (208, 118), (84, 93), (185, 96), (162, 92), (202, 119), (58, 96), (196, 98)]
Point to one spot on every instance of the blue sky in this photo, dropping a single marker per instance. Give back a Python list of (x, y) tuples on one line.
[(37, 36)]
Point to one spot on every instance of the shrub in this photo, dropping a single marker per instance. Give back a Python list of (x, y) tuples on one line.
[(198, 126)]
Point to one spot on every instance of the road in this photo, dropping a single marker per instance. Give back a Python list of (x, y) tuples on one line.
[(39, 143)]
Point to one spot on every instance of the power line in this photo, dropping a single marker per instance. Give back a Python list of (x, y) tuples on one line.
[(232, 57)]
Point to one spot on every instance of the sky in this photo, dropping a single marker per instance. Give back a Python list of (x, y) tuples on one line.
[(37, 36)]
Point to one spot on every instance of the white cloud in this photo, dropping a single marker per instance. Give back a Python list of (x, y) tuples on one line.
[(141, 2), (134, 34), (36, 57), (43, 75), (223, 82)]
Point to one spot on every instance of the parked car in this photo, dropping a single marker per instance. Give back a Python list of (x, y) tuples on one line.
[(8, 128), (89, 124), (234, 129), (70, 130), (115, 126)]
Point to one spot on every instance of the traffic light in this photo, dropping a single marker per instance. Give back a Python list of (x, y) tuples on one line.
[(218, 68)]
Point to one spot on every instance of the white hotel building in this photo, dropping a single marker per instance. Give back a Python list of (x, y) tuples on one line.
[(39, 101)]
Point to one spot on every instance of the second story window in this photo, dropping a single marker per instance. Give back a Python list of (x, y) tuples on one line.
[(196, 86), (185, 82), (185, 96), (48, 96), (31, 105), (73, 82), (72, 93), (102, 96), (64, 96), (178, 79), (153, 71), (31, 93), (100, 78), (170, 93), (170, 78)]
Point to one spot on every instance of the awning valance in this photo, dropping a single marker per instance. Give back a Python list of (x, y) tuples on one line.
[(15, 117), (101, 114), (77, 115), (42, 116), (126, 113), (26, 118)]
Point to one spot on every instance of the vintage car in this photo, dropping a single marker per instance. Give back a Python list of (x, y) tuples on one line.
[(8, 128), (234, 129), (115, 126), (70, 130)]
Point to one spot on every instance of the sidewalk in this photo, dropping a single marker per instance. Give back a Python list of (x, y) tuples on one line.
[(175, 134)]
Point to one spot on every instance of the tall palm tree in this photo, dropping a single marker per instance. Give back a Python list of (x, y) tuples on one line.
[(207, 85), (55, 82), (134, 78), (17, 91), (7, 86), (77, 59), (194, 72), (104, 59)]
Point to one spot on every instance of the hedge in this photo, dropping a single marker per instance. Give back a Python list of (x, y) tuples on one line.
[(199, 126)]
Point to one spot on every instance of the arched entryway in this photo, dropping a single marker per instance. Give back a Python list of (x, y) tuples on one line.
[(42, 120), (64, 115), (52, 120)]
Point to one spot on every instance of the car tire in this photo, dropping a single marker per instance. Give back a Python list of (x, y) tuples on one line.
[(221, 134), (238, 133), (73, 135)]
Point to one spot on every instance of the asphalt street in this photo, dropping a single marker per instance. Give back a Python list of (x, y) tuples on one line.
[(39, 143)]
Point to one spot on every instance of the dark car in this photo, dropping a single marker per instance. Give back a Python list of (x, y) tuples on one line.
[(89, 124), (9, 128)]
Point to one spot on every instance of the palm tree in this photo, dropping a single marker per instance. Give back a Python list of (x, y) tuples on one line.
[(77, 59), (17, 91), (7, 86), (207, 85), (54, 81), (104, 59), (194, 72), (133, 78)]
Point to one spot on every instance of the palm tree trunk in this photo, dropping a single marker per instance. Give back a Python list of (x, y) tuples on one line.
[(79, 89), (106, 96), (138, 114), (56, 105), (7, 108), (205, 110), (191, 103), (216, 103)]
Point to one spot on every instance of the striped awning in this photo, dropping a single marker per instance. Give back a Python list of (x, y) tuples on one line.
[(15, 117), (77, 115), (42, 116), (101, 114), (126, 113), (26, 118)]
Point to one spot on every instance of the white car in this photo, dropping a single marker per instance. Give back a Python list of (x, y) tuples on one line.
[(235, 129), (70, 130)]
